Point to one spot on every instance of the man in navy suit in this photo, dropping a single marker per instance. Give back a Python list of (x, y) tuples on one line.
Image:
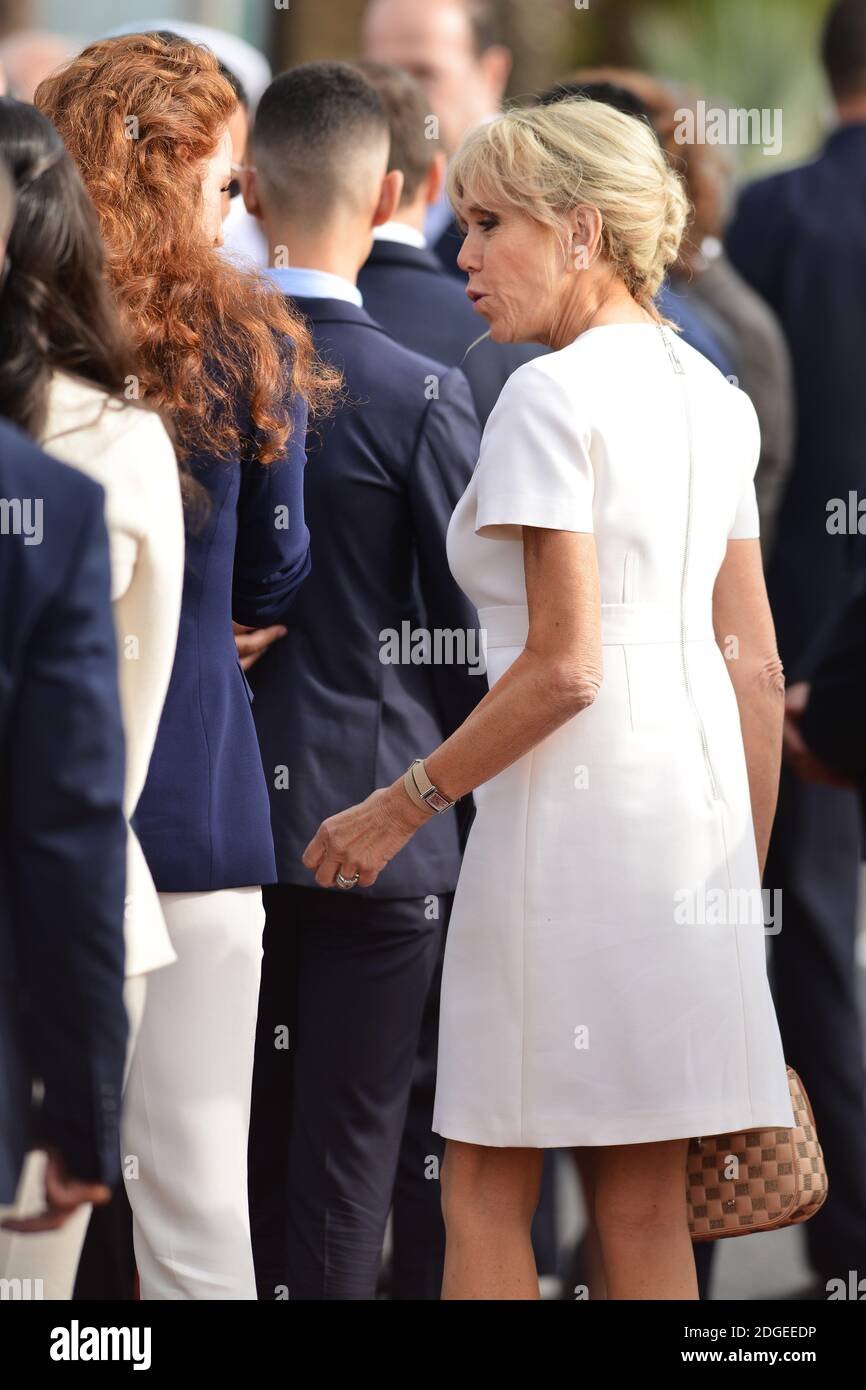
[(404, 284), (799, 238), (63, 1024), (360, 682)]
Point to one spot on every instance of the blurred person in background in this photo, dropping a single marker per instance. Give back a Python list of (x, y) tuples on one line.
[(31, 55), (65, 368), (451, 47), (233, 370), (405, 286), (63, 1026), (349, 974), (703, 284), (799, 238)]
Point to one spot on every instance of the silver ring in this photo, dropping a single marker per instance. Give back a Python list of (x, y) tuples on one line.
[(347, 882)]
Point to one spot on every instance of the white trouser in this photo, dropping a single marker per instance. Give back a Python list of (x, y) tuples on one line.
[(187, 1107), (52, 1256)]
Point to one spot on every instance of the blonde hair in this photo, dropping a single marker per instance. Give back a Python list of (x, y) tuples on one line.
[(546, 160)]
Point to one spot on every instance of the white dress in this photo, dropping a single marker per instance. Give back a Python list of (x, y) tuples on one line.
[(605, 974)]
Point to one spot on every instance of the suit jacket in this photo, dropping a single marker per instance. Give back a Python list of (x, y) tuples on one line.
[(833, 723), (407, 290), (765, 374), (799, 238), (446, 249), (203, 818), (62, 829), (336, 718)]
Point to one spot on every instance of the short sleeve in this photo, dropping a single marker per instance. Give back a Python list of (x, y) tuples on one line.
[(534, 468), (746, 524)]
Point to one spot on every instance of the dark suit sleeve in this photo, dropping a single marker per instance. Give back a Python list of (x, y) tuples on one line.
[(833, 724), (272, 555), (442, 466), (67, 854), (755, 239)]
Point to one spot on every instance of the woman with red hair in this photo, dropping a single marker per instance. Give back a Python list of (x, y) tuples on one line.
[(232, 368)]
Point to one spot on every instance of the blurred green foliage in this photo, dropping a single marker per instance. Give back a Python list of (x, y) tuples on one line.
[(742, 53)]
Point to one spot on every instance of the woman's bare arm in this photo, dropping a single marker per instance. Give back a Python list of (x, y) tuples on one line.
[(558, 673), (741, 611)]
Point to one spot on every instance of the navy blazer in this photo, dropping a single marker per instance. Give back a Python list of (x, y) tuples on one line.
[(799, 238), (62, 830), (833, 723), (446, 249), (407, 290), (203, 818), (335, 722)]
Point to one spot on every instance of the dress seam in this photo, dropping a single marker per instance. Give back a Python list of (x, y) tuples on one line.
[(523, 943)]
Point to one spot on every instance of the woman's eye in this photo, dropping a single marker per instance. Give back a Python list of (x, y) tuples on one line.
[(487, 223)]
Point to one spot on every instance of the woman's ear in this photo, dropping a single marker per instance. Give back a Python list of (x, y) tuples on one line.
[(585, 227)]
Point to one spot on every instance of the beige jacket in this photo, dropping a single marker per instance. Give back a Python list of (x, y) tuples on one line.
[(128, 451)]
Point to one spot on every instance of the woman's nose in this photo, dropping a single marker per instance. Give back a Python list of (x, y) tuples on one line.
[(467, 258)]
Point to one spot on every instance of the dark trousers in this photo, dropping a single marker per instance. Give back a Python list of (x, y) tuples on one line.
[(345, 981), (814, 859), (418, 1230)]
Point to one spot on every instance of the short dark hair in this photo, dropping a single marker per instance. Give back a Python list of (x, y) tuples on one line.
[(308, 128), (408, 112), (843, 48)]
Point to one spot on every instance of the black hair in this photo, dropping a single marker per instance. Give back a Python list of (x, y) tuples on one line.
[(56, 309), (843, 48)]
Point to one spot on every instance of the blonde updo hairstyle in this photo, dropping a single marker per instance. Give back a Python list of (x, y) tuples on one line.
[(547, 160)]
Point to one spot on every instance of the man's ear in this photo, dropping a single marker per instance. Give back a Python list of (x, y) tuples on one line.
[(250, 191), (390, 194), (496, 63), (435, 178)]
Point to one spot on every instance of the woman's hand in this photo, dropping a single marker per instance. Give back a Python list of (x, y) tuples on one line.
[(364, 838)]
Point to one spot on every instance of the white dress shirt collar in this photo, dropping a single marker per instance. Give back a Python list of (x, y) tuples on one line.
[(303, 282), (402, 232)]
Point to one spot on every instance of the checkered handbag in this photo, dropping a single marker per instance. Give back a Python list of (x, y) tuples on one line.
[(780, 1177)]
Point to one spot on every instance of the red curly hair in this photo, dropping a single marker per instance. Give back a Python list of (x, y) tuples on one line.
[(208, 334)]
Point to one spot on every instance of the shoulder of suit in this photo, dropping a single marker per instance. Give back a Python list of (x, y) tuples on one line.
[(21, 456)]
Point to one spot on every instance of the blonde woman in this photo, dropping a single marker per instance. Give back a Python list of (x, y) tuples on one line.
[(623, 769)]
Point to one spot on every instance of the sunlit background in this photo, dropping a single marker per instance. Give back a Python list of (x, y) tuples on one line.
[(731, 52)]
